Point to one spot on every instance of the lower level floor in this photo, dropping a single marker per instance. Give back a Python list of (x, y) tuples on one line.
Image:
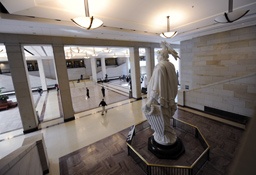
[(90, 127)]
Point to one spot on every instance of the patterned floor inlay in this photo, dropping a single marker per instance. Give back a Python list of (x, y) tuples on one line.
[(108, 156)]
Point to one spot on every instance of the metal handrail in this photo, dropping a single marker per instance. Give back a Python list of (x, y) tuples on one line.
[(189, 168)]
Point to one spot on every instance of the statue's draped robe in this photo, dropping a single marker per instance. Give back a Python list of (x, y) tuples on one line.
[(162, 90)]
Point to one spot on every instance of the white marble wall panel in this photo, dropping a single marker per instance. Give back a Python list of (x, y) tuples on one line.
[(228, 96), (221, 67), (23, 161), (75, 73), (41, 148)]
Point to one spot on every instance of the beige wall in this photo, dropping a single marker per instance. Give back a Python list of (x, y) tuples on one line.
[(220, 70)]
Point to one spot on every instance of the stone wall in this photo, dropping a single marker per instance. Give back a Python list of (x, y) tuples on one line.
[(114, 71), (218, 71)]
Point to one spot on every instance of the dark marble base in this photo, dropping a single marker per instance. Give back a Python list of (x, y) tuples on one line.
[(69, 119), (173, 151)]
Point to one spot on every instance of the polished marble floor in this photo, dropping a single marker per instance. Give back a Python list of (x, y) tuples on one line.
[(48, 105), (90, 127)]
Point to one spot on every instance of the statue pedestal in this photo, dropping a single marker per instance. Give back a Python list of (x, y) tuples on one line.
[(166, 152)]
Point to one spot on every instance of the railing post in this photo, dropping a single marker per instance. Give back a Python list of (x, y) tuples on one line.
[(173, 122), (148, 170), (196, 133)]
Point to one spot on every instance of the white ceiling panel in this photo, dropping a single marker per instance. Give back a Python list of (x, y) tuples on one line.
[(131, 20)]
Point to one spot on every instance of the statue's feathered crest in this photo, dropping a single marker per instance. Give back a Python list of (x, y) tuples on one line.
[(167, 49)]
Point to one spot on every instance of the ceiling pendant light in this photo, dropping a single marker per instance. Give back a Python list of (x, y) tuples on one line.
[(86, 56), (168, 34), (231, 16), (114, 56), (94, 53), (126, 53), (87, 22), (107, 50)]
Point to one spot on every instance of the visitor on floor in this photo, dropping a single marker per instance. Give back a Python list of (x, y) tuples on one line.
[(40, 91), (103, 104), (57, 87), (87, 93), (103, 91)]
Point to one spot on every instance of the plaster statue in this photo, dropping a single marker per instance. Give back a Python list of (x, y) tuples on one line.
[(161, 93)]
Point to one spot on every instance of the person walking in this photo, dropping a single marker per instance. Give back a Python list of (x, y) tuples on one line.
[(103, 91), (40, 91), (57, 87), (87, 93), (103, 104)]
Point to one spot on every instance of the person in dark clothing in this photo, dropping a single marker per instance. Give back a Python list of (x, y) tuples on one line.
[(57, 87), (103, 104), (103, 91), (106, 77), (40, 91), (87, 93)]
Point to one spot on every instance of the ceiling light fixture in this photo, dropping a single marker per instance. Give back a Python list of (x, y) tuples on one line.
[(87, 22), (107, 50), (126, 53), (94, 53), (86, 56), (168, 34), (114, 56), (231, 16)]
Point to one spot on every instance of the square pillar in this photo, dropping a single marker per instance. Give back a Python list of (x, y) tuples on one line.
[(62, 76), (42, 74), (135, 72), (22, 87), (103, 67), (150, 55), (94, 69)]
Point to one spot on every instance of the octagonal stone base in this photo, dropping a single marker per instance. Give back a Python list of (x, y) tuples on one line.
[(173, 151)]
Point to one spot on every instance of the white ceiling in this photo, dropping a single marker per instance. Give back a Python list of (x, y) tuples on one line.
[(132, 20)]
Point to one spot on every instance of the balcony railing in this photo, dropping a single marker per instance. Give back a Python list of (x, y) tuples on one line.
[(158, 169)]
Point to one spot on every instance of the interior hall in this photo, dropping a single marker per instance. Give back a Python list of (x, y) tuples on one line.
[(55, 71)]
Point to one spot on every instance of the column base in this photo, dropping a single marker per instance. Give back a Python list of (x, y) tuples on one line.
[(30, 130), (173, 151), (69, 119)]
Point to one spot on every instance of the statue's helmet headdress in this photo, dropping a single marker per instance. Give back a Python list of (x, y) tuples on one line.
[(166, 50)]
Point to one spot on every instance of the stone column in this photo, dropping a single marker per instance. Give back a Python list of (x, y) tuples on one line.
[(22, 87), (135, 72), (128, 64), (42, 74), (62, 76), (149, 62), (103, 67), (94, 69)]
